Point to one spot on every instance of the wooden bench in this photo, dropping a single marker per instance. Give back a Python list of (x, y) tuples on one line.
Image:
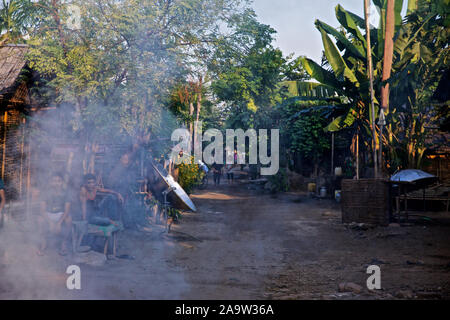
[(435, 193)]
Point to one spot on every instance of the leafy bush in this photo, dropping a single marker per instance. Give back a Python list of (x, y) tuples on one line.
[(189, 175), (279, 182)]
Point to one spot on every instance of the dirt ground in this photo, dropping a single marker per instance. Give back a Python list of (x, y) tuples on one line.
[(242, 244)]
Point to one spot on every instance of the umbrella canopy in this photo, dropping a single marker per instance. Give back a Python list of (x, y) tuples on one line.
[(413, 176)]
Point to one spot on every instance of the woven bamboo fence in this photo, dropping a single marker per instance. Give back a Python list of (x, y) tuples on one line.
[(365, 201)]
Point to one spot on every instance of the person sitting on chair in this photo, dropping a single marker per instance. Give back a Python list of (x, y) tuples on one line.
[(55, 218), (95, 211)]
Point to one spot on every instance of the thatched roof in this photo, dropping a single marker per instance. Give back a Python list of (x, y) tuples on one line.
[(439, 143), (12, 60)]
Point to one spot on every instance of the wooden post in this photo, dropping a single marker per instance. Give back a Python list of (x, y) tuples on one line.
[(22, 150), (5, 119), (28, 193), (370, 72), (332, 152), (380, 154), (357, 156)]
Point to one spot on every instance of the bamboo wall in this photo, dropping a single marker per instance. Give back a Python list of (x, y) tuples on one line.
[(13, 154), (366, 201)]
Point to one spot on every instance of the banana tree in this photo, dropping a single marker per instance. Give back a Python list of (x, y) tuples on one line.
[(347, 74), (421, 58)]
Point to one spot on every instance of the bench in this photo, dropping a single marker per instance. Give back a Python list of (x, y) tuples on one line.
[(82, 228), (440, 192)]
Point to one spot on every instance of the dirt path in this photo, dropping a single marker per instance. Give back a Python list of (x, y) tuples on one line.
[(243, 244)]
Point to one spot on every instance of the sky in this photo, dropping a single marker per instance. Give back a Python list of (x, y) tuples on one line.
[(294, 22)]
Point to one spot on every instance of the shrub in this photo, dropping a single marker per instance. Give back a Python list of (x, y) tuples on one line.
[(188, 175), (279, 182)]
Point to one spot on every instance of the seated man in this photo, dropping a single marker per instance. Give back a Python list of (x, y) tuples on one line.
[(103, 215), (123, 178), (100, 212), (54, 217)]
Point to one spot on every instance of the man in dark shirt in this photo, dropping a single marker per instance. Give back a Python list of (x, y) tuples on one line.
[(123, 179), (217, 172), (100, 212), (2, 201), (55, 218)]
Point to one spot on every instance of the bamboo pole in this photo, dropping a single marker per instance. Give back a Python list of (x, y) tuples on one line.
[(370, 71)]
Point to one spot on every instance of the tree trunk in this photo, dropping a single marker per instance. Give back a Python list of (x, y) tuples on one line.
[(388, 52), (191, 127), (387, 67), (199, 106), (370, 73)]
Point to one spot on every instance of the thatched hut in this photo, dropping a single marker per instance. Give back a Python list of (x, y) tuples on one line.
[(14, 105), (437, 156)]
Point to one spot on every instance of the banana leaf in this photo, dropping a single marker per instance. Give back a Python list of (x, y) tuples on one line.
[(336, 61), (348, 22), (342, 122), (355, 50), (322, 75)]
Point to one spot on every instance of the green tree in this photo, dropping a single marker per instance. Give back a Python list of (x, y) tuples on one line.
[(16, 18), (421, 58), (247, 72), (116, 71)]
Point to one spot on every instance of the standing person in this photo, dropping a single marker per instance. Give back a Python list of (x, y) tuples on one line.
[(176, 167), (217, 172), (253, 171), (55, 218), (204, 168), (2, 201), (230, 176)]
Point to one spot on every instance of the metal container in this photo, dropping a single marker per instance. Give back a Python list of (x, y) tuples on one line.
[(323, 192), (311, 187)]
